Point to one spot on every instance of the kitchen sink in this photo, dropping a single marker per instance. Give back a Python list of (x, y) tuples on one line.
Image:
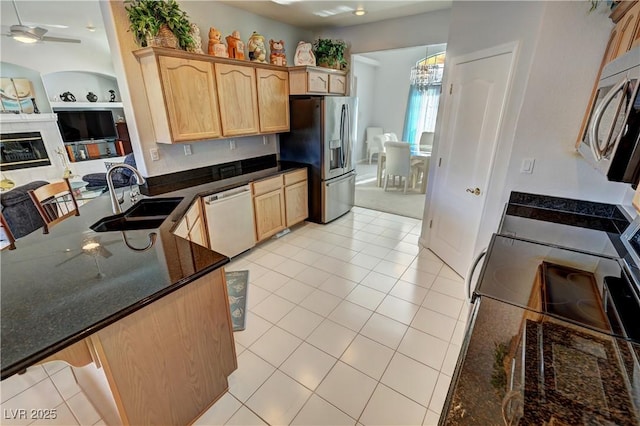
[(152, 207), (145, 214)]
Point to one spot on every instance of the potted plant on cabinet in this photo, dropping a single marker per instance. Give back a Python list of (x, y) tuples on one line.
[(330, 53), (159, 23)]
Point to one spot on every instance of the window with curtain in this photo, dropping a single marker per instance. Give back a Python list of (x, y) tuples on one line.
[(424, 94)]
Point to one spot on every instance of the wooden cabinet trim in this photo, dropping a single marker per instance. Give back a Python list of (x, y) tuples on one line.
[(295, 176), (267, 185)]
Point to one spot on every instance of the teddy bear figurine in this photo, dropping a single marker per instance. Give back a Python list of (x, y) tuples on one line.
[(277, 57), (236, 46), (216, 46), (304, 54), (197, 40), (256, 48)]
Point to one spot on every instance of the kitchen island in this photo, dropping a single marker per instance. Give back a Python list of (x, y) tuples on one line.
[(154, 321)]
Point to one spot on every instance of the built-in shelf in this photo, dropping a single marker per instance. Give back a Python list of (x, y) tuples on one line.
[(85, 105)]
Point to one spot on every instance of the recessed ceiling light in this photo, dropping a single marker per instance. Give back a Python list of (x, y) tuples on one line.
[(359, 12), (284, 2), (335, 11), (91, 28)]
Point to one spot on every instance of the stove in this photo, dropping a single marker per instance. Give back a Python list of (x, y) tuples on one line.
[(559, 282)]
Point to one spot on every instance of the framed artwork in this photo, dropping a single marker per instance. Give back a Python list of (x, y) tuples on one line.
[(16, 95)]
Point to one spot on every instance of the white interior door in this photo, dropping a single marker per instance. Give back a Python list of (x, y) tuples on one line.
[(469, 137)]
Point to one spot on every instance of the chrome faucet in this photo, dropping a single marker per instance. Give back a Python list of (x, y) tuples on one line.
[(115, 201)]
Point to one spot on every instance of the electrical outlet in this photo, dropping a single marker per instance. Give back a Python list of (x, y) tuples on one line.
[(232, 144), (187, 150), (155, 155)]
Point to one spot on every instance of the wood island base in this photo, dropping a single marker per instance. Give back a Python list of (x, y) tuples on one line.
[(166, 363)]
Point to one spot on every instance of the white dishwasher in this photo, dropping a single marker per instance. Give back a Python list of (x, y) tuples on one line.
[(230, 221)]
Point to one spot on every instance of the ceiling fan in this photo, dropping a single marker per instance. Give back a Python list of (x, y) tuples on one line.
[(26, 34)]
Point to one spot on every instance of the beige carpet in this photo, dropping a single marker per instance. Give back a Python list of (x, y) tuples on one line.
[(369, 196)]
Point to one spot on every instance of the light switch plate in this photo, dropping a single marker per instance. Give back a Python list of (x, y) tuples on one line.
[(527, 165), (187, 150), (232, 144), (155, 155)]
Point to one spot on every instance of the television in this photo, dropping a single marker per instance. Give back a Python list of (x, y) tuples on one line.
[(77, 126)]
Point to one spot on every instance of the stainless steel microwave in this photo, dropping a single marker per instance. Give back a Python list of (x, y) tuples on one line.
[(611, 140)]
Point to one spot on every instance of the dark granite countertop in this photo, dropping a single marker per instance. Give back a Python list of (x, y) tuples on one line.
[(529, 368), (54, 293), (520, 365)]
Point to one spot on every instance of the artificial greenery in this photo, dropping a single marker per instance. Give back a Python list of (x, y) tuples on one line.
[(611, 4), (147, 16), (499, 376), (330, 52)]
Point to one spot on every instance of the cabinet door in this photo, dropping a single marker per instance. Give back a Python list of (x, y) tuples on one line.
[(296, 202), (197, 234), (190, 98), (627, 29), (317, 82), (273, 100), (337, 84), (269, 210), (238, 98)]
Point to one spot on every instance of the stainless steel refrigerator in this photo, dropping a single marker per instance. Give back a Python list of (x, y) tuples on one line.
[(322, 137)]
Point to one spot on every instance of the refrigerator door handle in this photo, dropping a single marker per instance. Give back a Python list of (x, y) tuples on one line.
[(348, 134), (342, 124)]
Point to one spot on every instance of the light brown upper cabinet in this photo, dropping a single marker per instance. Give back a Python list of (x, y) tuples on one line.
[(273, 100), (238, 97), (195, 97), (305, 80), (182, 98)]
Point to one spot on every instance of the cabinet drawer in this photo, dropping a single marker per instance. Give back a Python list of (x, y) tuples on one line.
[(267, 185), (317, 82), (295, 177), (337, 84)]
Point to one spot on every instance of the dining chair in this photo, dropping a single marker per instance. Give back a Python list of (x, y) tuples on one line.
[(55, 202), (8, 235), (398, 162), (426, 141), (373, 145), (390, 136)]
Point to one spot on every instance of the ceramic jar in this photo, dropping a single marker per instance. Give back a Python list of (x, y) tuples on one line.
[(257, 49)]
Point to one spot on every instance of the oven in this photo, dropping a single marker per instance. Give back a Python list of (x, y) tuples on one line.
[(612, 136)]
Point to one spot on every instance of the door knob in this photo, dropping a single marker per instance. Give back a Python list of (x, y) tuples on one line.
[(475, 191)]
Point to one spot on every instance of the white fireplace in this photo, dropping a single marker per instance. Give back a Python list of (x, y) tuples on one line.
[(47, 126)]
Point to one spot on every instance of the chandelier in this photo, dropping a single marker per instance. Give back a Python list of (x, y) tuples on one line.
[(427, 72)]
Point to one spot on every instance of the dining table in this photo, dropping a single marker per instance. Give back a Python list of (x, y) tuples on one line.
[(421, 158)]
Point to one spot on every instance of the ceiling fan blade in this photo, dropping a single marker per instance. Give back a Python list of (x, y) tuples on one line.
[(61, 39)]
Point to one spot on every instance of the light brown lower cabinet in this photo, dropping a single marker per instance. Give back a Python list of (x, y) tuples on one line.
[(296, 196), (164, 364), (269, 211)]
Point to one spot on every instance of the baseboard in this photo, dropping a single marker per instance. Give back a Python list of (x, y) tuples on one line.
[(423, 242)]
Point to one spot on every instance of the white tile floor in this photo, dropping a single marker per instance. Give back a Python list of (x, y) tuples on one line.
[(348, 323)]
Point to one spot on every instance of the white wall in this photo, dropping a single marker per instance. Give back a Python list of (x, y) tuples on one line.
[(364, 87), (560, 47), (18, 71), (418, 30)]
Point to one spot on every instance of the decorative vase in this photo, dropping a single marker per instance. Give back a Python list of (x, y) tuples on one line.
[(92, 97), (35, 106), (165, 38)]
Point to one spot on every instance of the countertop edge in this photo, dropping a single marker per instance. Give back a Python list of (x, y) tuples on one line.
[(39, 356)]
